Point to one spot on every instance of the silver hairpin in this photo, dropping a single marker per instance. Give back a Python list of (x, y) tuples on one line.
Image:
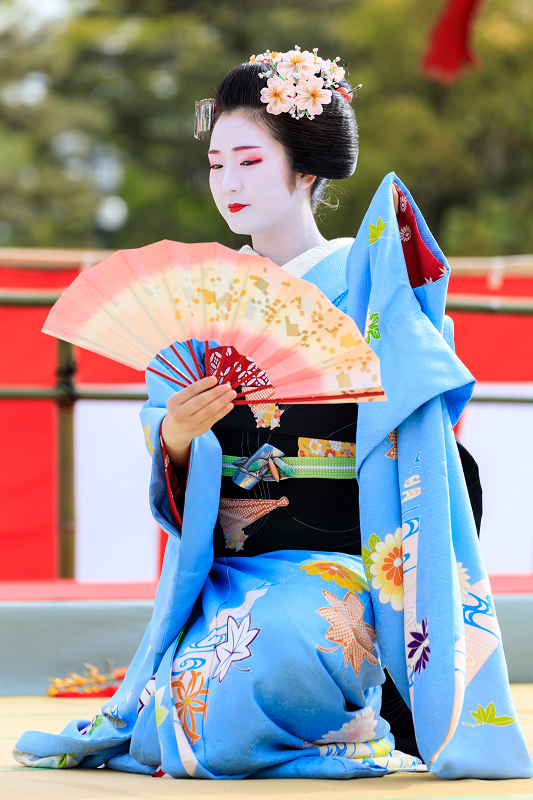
[(203, 116), (356, 88)]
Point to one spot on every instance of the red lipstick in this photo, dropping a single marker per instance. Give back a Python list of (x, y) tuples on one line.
[(234, 207)]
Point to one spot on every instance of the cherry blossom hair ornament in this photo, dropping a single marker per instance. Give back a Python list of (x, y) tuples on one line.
[(293, 86), (299, 82)]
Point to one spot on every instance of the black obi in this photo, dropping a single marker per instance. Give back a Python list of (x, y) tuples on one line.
[(322, 514)]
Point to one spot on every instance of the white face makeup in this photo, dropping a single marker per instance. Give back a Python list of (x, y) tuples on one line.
[(249, 176)]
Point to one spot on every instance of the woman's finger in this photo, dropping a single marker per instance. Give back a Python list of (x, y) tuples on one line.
[(188, 404), (208, 423), (396, 198), (196, 388), (204, 400), (212, 408)]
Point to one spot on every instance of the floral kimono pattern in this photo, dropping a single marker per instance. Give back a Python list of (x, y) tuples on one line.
[(271, 666)]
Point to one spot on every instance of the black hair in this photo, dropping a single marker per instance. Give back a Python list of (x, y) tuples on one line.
[(325, 146)]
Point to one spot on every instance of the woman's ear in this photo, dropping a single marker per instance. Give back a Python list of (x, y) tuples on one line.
[(304, 181)]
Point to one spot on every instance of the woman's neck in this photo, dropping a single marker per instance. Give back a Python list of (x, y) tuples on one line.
[(292, 236)]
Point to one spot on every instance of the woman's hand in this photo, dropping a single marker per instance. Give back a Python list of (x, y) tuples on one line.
[(192, 412), (396, 198)]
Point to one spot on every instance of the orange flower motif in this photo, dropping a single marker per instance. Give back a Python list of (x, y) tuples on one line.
[(331, 571), (349, 630), (387, 569), (188, 703)]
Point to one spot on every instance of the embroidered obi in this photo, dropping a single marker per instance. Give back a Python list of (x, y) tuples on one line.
[(309, 514)]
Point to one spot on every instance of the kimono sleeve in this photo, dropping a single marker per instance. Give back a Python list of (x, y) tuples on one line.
[(152, 415), (176, 487), (168, 498)]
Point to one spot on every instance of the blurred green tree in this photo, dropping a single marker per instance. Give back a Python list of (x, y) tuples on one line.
[(96, 116)]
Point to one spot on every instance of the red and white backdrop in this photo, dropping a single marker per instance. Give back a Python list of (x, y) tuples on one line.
[(498, 350), (116, 536)]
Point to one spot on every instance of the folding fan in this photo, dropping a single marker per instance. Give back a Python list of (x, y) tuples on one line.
[(138, 302)]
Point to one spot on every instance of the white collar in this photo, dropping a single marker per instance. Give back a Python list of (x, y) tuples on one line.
[(301, 264)]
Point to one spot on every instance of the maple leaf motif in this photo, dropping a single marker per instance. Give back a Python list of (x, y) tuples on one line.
[(235, 648), (349, 629), (375, 231)]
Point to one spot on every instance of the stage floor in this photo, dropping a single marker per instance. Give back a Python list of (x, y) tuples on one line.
[(43, 713)]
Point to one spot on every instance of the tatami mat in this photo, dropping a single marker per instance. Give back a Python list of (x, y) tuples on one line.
[(43, 713)]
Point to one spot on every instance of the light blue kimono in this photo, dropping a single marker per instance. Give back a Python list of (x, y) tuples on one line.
[(265, 666)]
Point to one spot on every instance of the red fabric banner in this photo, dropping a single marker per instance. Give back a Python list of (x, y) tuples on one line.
[(449, 48)]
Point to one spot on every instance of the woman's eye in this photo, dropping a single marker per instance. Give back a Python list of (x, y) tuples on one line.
[(248, 163), (215, 166)]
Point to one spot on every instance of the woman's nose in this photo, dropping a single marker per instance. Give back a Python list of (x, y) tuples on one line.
[(231, 182)]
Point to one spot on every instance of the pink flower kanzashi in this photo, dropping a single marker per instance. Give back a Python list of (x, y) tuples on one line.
[(266, 58), (311, 96), (279, 95), (338, 74), (297, 64), (332, 72)]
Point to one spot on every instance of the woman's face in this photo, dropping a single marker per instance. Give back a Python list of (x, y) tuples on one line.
[(250, 178)]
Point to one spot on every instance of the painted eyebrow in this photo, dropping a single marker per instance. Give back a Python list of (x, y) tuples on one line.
[(235, 149)]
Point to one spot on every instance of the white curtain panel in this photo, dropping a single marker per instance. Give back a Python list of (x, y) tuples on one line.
[(116, 536), (500, 437)]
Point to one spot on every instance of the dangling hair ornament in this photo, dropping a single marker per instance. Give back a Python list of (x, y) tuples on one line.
[(293, 85), (203, 116)]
